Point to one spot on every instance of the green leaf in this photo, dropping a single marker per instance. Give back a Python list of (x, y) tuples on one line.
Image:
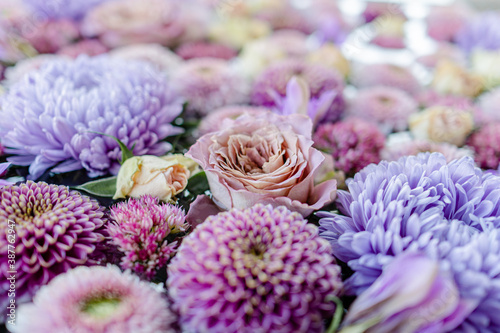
[(126, 153), (105, 187), (198, 184)]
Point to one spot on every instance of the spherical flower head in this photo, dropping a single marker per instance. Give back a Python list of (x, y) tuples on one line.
[(52, 116), (485, 143), (96, 300), (488, 108), (319, 79), (70, 9), (388, 107), (205, 50), (396, 206), (260, 269), (55, 230), (353, 143), (453, 78), (51, 36), (482, 32), (208, 84), (90, 47), (385, 75), (140, 229), (443, 23)]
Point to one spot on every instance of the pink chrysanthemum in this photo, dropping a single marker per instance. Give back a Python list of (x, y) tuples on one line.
[(55, 229), (443, 23), (208, 84), (320, 80), (52, 35), (140, 231), (389, 107), (90, 47), (486, 145), (445, 51), (431, 98), (287, 17), (254, 270), (96, 300), (488, 107), (214, 120), (353, 144), (385, 75), (205, 50)]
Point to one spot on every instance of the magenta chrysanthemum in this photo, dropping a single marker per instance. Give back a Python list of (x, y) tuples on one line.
[(385, 75), (389, 107), (205, 50), (55, 230), (208, 84), (140, 231), (96, 300), (486, 145), (254, 270), (353, 143), (320, 80)]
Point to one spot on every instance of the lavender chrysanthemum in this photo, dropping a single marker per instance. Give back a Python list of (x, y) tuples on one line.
[(71, 9), (209, 83), (140, 231), (388, 107), (55, 230), (481, 33), (254, 270), (53, 115), (353, 143), (391, 205), (486, 145), (96, 300), (320, 80), (386, 75)]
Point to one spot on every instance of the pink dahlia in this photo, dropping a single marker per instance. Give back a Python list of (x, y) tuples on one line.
[(208, 84), (353, 144), (389, 107), (272, 83), (486, 145), (55, 229), (205, 50), (385, 75), (260, 269), (96, 300), (140, 229)]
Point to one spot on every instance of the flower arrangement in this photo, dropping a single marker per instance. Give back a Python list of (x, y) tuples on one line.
[(249, 166)]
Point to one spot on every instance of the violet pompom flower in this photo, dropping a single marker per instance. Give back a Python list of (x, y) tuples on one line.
[(208, 84), (353, 144), (140, 231), (71, 9), (486, 145), (273, 81), (483, 33), (392, 205), (55, 230), (52, 115), (260, 269), (96, 300), (205, 50), (385, 75), (388, 107)]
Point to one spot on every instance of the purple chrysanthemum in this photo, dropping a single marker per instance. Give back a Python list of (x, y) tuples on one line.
[(320, 79), (385, 75), (353, 143), (72, 9), (55, 230), (388, 107), (254, 270), (96, 300), (140, 231), (205, 50), (486, 145), (481, 33), (391, 205), (52, 115), (208, 84)]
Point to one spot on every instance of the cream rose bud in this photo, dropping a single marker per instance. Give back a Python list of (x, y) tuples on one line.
[(264, 158), (451, 78), (156, 176), (442, 124)]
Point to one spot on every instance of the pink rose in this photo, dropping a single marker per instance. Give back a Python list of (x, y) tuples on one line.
[(264, 158)]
